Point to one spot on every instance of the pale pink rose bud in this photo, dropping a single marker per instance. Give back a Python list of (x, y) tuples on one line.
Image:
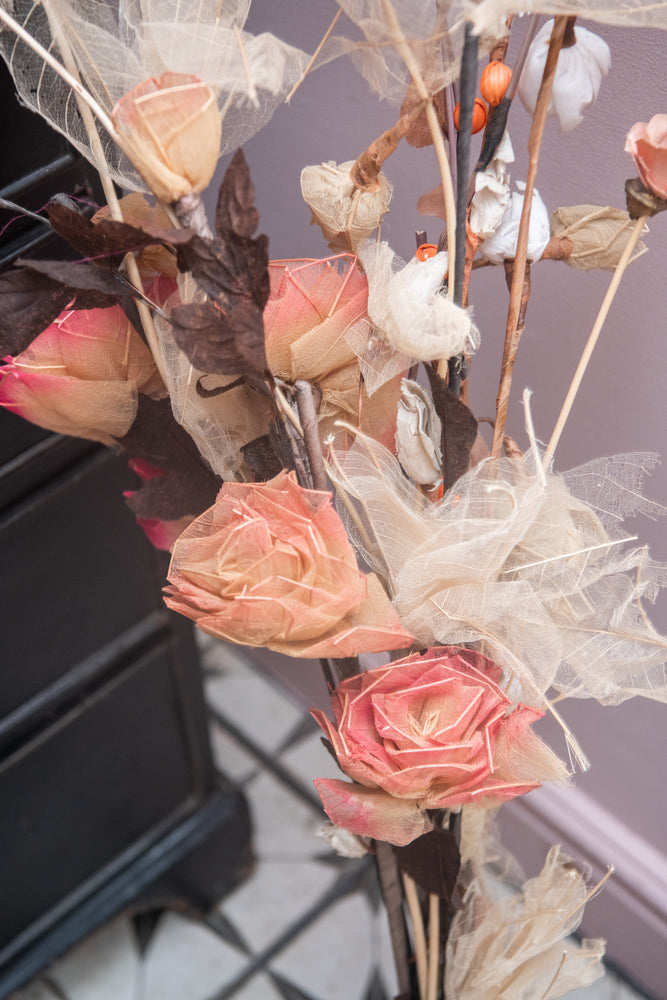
[(428, 732), (170, 128), (578, 76), (82, 376), (647, 144)]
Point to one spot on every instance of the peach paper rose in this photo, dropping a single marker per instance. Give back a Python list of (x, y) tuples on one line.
[(270, 565), (82, 376), (428, 732), (647, 144)]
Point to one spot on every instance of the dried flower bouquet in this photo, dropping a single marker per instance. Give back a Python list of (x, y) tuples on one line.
[(301, 428)]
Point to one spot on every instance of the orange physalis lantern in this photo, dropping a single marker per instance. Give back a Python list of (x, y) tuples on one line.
[(426, 251), (479, 116), (494, 82)]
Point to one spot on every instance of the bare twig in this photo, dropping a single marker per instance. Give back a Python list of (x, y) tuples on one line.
[(391, 891), (367, 166), (433, 946), (308, 417), (512, 335), (418, 934)]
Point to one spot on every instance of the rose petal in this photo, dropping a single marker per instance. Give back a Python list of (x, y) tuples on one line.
[(372, 813)]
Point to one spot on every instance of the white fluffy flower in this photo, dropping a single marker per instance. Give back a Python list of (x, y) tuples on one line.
[(492, 191), (502, 245), (578, 74), (406, 305)]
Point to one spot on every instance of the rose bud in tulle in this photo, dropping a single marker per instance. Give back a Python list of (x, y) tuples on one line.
[(428, 732), (270, 565), (170, 127), (647, 144), (82, 376)]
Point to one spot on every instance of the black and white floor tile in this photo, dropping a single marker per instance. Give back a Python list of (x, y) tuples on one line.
[(305, 925)]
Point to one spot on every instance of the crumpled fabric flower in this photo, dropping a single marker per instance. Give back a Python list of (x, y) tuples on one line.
[(270, 565), (492, 191), (647, 144), (347, 215), (579, 73), (502, 244), (82, 376), (418, 433), (406, 305), (314, 322), (428, 732)]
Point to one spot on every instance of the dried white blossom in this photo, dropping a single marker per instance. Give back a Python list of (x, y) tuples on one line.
[(502, 245), (578, 75), (492, 191), (418, 432), (346, 214), (407, 306)]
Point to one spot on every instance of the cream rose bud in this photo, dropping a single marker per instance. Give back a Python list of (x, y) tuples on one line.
[(170, 128), (578, 76), (346, 215), (502, 245), (418, 431)]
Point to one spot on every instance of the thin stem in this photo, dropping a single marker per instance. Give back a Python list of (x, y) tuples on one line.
[(436, 135), (308, 417), (418, 933), (512, 335), (313, 58), (433, 946), (592, 340), (391, 891)]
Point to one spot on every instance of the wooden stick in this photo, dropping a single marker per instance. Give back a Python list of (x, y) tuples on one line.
[(391, 891), (592, 340), (433, 946), (419, 936), (512, 336), (308, 417), (313, 58)]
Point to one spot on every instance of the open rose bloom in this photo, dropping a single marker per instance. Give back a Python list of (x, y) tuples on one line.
[(270, 565), (428, 732), (82, 376)]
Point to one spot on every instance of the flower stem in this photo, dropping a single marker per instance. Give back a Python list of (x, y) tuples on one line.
[(308, 416), (393, 900), (512, 333), (592, 340), (433, 946), (418, 934)]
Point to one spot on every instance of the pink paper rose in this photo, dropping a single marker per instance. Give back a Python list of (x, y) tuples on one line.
[(82, 376), (647, 144), (428, 732), (270, 565)]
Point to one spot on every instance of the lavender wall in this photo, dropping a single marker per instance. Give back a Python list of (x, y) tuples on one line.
[(622, 406)]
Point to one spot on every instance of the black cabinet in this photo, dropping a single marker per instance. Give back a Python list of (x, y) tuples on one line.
[(108, 794)]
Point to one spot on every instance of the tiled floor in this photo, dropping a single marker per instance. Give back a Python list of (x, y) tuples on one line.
[(307, 924)]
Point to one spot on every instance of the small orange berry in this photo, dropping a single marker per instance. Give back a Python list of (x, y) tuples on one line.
[(494, 82), (479, 115), (426, 250)]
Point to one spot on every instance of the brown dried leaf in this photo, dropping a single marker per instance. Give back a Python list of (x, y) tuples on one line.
[(236, 211), (189, 486), (225, 342), (459, 429), (105, 240), (419, 133)]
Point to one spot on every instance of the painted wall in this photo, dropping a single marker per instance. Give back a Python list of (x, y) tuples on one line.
[(622, 406)]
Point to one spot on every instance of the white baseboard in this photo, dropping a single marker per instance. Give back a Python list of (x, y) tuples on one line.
[(631, 911)]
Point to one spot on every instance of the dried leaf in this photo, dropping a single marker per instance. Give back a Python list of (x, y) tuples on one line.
[(223, 342), (33, 301), (433, 861), (263, 456), (419, 133), (236, 211), (234, 267), (459, 428), (92, 287), (106, 238), (189, 487)]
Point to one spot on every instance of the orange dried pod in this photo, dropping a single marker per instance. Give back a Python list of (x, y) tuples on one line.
[(426, 250), (494, 82), (479, 115)]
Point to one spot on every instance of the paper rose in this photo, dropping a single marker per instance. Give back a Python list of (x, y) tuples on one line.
[(82, 376), (647, 144), (578, 75), (315, 321), (502, 245), (347, 215), (428, 732), (270, 565)]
